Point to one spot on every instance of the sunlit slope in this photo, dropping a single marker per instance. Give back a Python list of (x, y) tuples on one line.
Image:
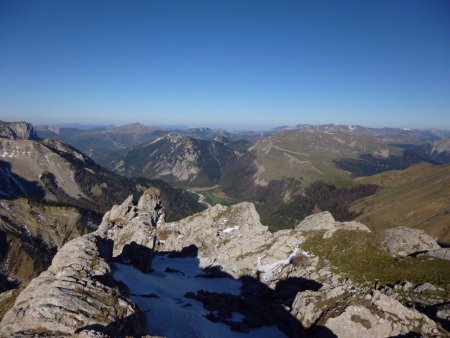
[(310, 154), (417, 197)]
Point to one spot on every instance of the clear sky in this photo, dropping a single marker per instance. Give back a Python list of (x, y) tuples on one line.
[(227, 63)]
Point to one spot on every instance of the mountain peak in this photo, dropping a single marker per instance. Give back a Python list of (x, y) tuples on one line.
[(18, 131), (135, 127)]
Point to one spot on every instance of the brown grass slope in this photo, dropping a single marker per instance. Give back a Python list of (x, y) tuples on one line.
[(417, 197), (311, 154)]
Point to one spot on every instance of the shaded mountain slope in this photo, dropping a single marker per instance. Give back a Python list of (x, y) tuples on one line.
[(31, 232)]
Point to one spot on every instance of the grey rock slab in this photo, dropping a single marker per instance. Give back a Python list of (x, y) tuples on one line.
[(403, 241)]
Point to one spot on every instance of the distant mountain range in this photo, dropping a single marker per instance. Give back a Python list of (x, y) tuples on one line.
[(98, 142), (273, 168)]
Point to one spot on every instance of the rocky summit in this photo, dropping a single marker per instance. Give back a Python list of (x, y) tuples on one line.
[(18, 131), (217, 273)]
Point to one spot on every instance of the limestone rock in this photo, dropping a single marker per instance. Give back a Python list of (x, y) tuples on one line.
[(443, 313), (384, 316), (306, 308), (357, 321), (325, 221), (443, 253), (17, 130), (76, 292), (320, 221), (348, 311), (232, 237), (133, 221), (403, 241)]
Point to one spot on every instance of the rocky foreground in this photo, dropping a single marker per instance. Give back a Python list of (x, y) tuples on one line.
[(89, 288)]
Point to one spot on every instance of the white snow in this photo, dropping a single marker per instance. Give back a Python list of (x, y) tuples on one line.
[(27, 231), (228, 230), (5, 206), (268, 269), (174, 316), (40, 217)]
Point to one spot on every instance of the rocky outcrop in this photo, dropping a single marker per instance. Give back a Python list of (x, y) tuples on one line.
[(133, 221), (351, 311), (77, 292), (233, 238), (381, 316), (324, 221), (405, 241), (18, 130), (442, 253)]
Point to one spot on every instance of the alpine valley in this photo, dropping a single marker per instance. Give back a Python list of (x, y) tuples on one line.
[(302, 231)]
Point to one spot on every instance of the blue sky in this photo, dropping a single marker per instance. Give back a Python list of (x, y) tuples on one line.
[(234, 64)]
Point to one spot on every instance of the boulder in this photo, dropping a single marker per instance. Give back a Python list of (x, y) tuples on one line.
[(320, 221), (358, 321), (403, 241), (325, 221)]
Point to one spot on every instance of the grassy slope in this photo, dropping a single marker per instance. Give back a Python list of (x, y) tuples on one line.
[(310, 155), (357, 255), (417, 197)]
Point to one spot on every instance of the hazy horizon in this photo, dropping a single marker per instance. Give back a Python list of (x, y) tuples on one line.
[(89, 126)]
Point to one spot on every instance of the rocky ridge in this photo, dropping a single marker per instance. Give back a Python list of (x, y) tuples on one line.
[(76, 293), (18, 130), (229, 239)]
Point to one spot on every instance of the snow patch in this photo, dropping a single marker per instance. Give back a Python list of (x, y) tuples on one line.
[(172, 315), (5, 206), (268, 269), (228, 230)]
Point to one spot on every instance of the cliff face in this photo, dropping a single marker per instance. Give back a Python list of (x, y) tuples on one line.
[(18, 130), (221, 266)]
